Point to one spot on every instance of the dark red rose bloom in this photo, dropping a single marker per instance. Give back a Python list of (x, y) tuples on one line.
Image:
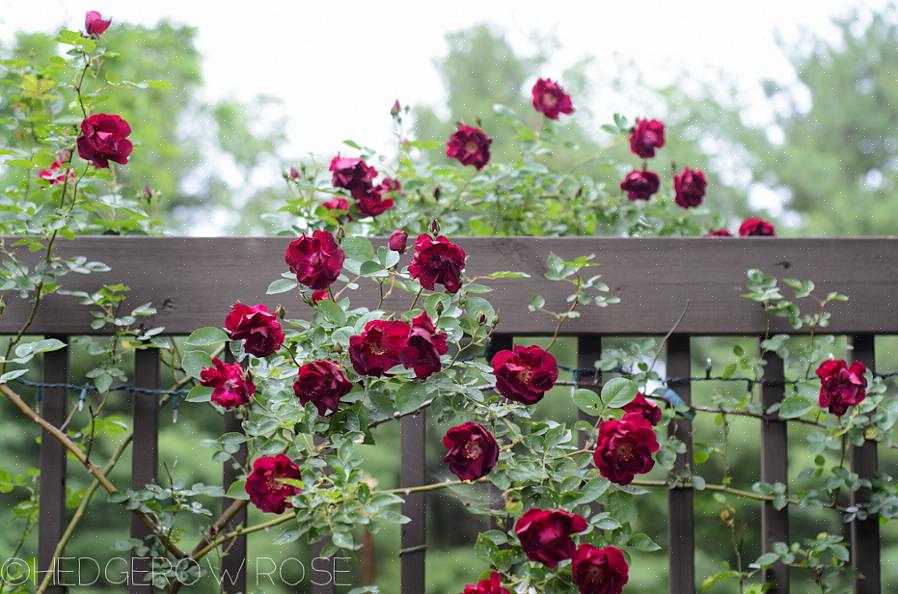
[(231, 385), (315, 259), (473, 451), (337, 203), (640, 184), (600, 571), (437, 261), (372, 203), (545, 535), (353, 174), (259, 330), (376, 350), (323, 384), (320, 295), (647, 136), (645, 407), (94, 23), (263, 487), (470, 145), (55, 174), (398, 241), (719, 233), (841, 385), (389, 184), (423, 347), (625, 448), (525, 373), (689, 186), (491, 585), (550, 99), (753, 226), (104, 138)]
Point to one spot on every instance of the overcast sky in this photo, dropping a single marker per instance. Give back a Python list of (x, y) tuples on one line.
[(338, 66)]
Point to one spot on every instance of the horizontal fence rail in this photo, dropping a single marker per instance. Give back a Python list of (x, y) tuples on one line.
[(193, 282)]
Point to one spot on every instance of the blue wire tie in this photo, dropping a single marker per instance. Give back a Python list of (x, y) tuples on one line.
[(82, 397)]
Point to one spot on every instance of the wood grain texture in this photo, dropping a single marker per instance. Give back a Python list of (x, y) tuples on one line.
[(774, 469), (194, 281), (52, 519), (144, 454), (680, 508), (413, 470)]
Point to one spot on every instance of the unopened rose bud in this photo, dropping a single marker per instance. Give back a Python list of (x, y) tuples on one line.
[(435, 227), (394, 111), (294, 173), (437, 192), (148, 192), (482, 319), (398, 241)]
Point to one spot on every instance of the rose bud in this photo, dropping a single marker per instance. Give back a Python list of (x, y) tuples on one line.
[(525, 373), (230, 385), (94, 23), (599, 571), (323, 384), (640, 184), (719, 233), (259, 330), (647, 136), (689, 186), (394, 111), (320, 295), (753, 226), (423, 347), (376, 350), (625, 447), (545, 535), (104, 138), (550, 99), (491, 585), (315, 259), (263, 487), (398, 241), (293, 173), (473, 451), (470, 146), (841, 385), (352, 174), (644, 407), (437, 261), (372, 203)]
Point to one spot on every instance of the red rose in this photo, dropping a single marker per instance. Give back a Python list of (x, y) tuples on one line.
[(231, 386), (53, 175), (545, 535), (645, 407), (389, 184), (647, 136), (94, 23), (689, 186), (322, 383), (104, 138), (263, 487), (353, 174), (470, 145), (320, 295), (640, 184), (491, 585), (337, 203), (372, 203), (525, 374), (719, 233), (841, 386), (757, 227), (550, 99), (473, 451), (376, 350), (316, 260), (437, 261), (423, 347), (398, 241), (259, 330), (625, 448), (599, 571)]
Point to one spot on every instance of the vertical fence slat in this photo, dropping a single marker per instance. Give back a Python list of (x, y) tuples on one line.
[(865, 533), (52, 461), (412, 473), (680, 536), (774, 469), (144, 451), (233, 565)]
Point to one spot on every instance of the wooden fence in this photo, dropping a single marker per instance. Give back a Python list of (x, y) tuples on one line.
[(194, 281)]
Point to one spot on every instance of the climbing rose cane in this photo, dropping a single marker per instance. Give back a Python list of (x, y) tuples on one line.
[(625, 447), (550, 99), (545, 535), (322, 383), (525, 373), (841, 385), (473, 451), (231, 386), (599, 571), (265, 489), (259, 329), (316, 260)]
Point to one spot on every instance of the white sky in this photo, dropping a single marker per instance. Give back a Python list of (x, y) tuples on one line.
[(338, 66)]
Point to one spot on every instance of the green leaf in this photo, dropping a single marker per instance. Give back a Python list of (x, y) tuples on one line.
[(642, 542), (358, 248), (795, 406), (588, 401), (207, 337), (411, 396), (196, 361), (199, 394), (281, 285), (11, 375), (331, 312), (618, 392)]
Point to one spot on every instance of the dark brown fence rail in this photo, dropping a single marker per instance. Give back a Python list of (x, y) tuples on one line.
[(193, 283)]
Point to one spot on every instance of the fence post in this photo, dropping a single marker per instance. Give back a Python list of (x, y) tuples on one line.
[(774, 469), (52, 461), (864, 460), (144, 453), (680, 536)]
